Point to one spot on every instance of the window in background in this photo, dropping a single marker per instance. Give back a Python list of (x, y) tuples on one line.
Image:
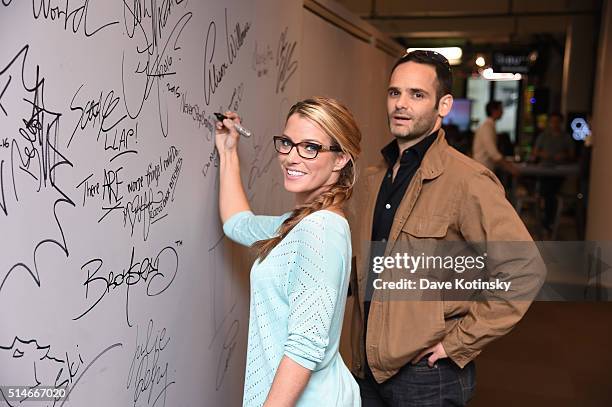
[(479, 92), (459, 115), (507, 92)]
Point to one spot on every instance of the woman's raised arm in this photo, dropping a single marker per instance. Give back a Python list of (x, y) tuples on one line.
[(232, 198)]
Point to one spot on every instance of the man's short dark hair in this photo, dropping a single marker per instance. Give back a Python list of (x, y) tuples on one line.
[(493, 106), (444, 74)]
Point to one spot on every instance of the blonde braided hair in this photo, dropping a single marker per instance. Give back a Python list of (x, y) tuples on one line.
[(339, 124)]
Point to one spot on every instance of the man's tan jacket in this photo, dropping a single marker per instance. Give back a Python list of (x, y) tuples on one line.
[(451, 197)]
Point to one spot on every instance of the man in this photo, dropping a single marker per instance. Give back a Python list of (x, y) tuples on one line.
[(484, 147), (418, 353), (553, 147)]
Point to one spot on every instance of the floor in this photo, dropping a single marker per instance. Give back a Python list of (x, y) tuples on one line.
[(558, 355)]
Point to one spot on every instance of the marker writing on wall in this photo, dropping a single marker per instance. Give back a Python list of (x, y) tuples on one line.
[(241, 130)]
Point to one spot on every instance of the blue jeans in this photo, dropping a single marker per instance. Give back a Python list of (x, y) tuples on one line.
[(419, 385)]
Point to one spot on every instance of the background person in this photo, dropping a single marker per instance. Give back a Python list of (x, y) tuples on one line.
[(552, 147), (484, 147)]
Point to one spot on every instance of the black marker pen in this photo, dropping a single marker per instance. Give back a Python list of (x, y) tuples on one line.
[(244, 132)]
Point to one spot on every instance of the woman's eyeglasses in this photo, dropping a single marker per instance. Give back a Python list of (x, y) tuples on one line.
[(305, 149)]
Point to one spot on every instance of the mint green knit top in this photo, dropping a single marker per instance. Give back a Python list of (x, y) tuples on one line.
[(298, 294)]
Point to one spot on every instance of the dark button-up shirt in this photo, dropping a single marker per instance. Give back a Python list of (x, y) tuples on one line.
[(392, 190), (390, 195)]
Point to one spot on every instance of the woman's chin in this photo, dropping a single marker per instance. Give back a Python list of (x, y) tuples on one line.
[(292, 186)]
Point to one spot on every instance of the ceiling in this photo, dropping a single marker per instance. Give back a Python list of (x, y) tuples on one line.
[(477, 22)]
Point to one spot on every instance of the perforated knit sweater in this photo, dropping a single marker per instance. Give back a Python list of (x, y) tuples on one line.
[(298, 294)]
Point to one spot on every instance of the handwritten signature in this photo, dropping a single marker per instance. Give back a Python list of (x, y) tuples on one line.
[(229, 345), (48, 366), (157, 273), (285, 63), (152, 64), (146, 370), (213, 73), (36, 157), (67, 16)]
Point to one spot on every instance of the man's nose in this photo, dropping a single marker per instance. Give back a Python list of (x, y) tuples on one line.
[(401, 103)]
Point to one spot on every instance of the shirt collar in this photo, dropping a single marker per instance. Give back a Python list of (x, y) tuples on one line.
[(391, 151)]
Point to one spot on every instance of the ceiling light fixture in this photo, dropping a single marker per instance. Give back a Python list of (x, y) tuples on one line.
[(500, 76)]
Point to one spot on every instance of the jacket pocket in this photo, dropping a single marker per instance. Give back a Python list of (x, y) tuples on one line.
[(420, 227), (424, 236)]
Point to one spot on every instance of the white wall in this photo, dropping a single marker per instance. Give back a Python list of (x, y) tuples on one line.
[(338, 65)]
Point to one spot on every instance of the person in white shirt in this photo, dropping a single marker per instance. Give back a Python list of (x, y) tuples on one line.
[(484, 147)]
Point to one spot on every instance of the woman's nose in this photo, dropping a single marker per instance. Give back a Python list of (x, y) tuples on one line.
[(293, 155)]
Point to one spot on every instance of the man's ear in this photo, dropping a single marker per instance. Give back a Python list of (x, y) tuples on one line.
[(341, 160), (445, 105)]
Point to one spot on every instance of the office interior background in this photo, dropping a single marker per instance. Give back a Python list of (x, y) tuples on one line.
[(538, 58)]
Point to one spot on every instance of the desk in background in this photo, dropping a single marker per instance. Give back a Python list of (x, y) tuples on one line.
[(539, 171)]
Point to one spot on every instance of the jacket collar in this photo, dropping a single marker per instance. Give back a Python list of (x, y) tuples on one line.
[(434, 162), (432, 166), (391, 152)]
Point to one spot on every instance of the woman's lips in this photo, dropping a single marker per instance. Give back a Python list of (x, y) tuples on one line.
[(294, 174)]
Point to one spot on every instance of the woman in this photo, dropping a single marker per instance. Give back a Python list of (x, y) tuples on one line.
[(300, 278)]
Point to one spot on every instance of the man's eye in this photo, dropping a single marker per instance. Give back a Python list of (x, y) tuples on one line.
[(418, 95), (393, 92), (312, 147)]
